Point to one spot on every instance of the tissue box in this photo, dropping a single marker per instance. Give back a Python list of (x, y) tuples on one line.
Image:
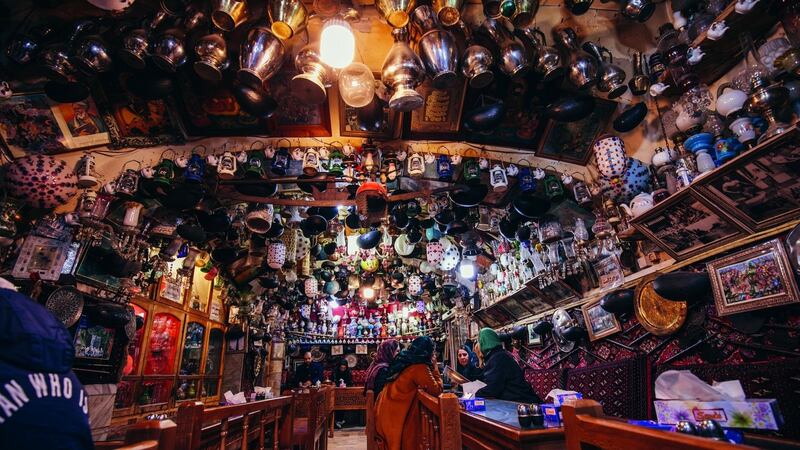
[(552, 413), (473, 404), (761, 414), (560, 399)]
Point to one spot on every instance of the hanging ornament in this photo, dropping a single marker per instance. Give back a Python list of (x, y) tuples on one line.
[(276, 254), (444, 168), (311, 162), (512, 170), (471, 170), (498, 178)]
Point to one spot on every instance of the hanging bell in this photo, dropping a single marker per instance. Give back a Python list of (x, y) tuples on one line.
[(444, 168)]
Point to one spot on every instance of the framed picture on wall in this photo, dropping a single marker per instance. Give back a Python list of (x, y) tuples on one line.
[(293, 117), (599, 322), (439, 117), (43, 256), (533, 338), (375, 120), (762, 189), (572, 141), (337, 350), (757, 278), (686, 224)]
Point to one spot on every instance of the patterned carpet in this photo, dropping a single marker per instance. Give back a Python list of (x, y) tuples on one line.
[(348, 439)]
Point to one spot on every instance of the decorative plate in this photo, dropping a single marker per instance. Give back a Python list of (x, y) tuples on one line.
[(657, 315), (66, 303), (352, 360)]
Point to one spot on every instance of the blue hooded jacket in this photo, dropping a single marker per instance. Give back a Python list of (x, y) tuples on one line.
[(42, 403)]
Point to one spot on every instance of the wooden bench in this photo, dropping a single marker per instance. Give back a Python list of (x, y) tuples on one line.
[(346, 399), (161, 432), (235, 426), (441, 421), (585, 426), (308, 427)]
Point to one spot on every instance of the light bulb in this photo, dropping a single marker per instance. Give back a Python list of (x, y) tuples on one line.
[(467, 269), (337, 43), (357, 85), (368, 293)]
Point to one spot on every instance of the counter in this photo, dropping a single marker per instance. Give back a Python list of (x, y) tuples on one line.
[(498, 428)]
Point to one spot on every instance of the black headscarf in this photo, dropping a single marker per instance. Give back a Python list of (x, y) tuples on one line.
[(419, 352), (345, 374)]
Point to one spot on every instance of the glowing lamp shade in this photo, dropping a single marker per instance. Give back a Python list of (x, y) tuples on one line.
[(337, 43), (367, 293), (357, 85), (467, 269)]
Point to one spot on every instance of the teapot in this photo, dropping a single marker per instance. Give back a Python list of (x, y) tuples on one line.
[(745, 6), (639, 205), (729, 100), (717, 30), (695, 55)]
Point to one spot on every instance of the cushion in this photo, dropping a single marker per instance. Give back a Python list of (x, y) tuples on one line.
[(622, 387)]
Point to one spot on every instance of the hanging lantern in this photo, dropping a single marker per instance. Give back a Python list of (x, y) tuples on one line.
[(414, 285), (128, 182), (86, 172), (276, 254), (416, 165), (444, 168), (281, 161), (581, 192), (226, 165), (527, 183), (498, 178), (195, 169), (255, 165), (310, 287), (435, 252), (349, 166), (311, 162), (336, 162), (553, 188), (471, 170), (368, 159), (131, 217)]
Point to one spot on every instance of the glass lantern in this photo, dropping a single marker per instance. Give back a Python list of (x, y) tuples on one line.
[(553, 188), (471, 170), (280, 164), (444, 168)]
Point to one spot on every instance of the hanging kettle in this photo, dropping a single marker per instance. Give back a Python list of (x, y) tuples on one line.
[(436, 47), (582, 68), (547, 60), (610, 77)]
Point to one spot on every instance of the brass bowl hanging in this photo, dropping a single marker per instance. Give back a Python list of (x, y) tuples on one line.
[(657, 315)]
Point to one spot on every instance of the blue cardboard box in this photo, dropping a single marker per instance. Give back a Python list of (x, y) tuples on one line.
[(473, 404)]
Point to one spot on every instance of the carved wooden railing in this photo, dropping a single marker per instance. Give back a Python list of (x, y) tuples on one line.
[(441, 422), (143, 434), (308, 428), (370, 431), (585, 426), (245, 426)]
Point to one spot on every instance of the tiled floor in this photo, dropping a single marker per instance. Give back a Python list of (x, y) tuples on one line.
[(348, 439)]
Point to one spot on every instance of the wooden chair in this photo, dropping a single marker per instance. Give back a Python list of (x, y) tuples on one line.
[(441, 421), (162, 432), (235, 426), (370, 431), (586, 427), (308, 429)]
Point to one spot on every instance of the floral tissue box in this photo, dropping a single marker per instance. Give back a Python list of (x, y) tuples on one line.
[(762, 414)]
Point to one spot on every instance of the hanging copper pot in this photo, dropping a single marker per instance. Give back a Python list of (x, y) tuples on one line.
[(260, 57), (448, 11)]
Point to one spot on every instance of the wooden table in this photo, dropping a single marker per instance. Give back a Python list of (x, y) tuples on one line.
[(498, 428), (347, 399)]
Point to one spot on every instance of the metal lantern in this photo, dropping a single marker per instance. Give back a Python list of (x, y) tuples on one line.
[(336, 162), (226, 165), (498, 178), (471, 170), (195, 169), (553, 188), (349, 166), (444, 168), (311, 162), (86, 172), (581, 192), (255, 165), (310, 287), (416, 165), (281, 161), (527, 183), (128, 182)]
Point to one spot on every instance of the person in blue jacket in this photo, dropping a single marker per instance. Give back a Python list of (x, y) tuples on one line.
[(42, 403)]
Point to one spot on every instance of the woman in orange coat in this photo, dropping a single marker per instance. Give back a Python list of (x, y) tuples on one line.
[(397, 419)]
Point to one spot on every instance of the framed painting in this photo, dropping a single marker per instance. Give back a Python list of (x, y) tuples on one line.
[(42, 256), (522, 125), (93, 341), (558, 293), (293, 117), (515, 309), (212, 110), (533, 338), (761, 188), (30, 123), (135, 122), (686, 224), (572, 142), (757, 278), (599, 322), (375, 120), (440, 115)]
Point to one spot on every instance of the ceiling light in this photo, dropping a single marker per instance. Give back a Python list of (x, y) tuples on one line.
[(337, 44), (367, 293), (467, 269)]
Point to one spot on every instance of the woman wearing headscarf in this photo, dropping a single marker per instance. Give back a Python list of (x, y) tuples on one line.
[(467, 363), (397, 421), (501, 373), (343, 374), (379, 369)]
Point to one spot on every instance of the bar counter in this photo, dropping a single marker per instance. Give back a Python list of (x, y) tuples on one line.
[(498, 428)]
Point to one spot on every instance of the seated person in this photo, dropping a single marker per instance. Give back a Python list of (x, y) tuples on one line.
[(501, 373), (308, 373), (467, 363)]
